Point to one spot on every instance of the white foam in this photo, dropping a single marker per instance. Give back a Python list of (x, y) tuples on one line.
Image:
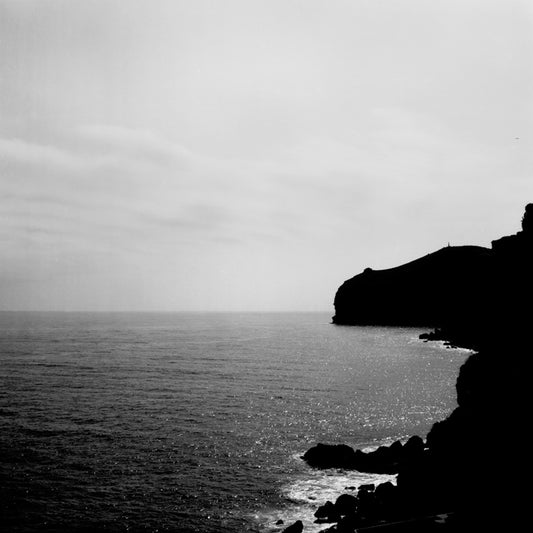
[(319, 487), (310, 490), (444, 345)]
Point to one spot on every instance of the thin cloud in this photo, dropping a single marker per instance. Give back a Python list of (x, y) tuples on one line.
[(186, 152), (134, 143), (22, 151)]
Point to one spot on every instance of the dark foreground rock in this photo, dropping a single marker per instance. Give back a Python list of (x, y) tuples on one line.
[(345, 505), (327, 513)]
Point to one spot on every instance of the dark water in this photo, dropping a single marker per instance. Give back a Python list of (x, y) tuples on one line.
[(195, 422)]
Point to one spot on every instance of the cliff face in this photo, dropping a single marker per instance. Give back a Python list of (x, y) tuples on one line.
[(474, 461), (461, 290), (420, 293)]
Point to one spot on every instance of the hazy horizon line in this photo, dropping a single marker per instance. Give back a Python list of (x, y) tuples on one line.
[(151, 311)]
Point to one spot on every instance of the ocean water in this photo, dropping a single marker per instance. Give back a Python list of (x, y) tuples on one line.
[(196, 422)]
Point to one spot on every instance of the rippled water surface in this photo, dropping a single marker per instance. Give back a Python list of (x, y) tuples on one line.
[(195, 422)]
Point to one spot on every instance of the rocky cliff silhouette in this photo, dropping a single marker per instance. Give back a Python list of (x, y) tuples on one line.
[(420, 293), (473, 465), (456, 289)]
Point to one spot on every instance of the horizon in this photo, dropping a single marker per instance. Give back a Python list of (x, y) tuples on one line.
[(162, 312), (215, 311), (251, 156)]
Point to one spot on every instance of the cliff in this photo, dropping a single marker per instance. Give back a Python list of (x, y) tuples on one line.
[(473, 464), (420, 293), (460, 290)]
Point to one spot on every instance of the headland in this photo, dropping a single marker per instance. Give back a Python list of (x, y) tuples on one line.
[(467, 473)]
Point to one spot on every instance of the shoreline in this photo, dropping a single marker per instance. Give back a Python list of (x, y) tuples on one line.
[(306, 508), (449, 475)]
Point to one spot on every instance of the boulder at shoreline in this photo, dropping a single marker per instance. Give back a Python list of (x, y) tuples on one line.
[(383, 460)]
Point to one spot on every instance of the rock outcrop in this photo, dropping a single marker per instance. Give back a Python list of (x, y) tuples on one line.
[(463, 291), (420, 293), (474, 462), (383, 460)]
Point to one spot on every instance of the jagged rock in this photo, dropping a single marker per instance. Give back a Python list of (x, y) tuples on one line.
[(383, 460), (330, 456), (327, 513), (413, 448), (297, 527), (346, 504), (527, 219), (396, 447)]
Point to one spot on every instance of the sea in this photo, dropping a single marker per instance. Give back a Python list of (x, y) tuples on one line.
[(193, 422)]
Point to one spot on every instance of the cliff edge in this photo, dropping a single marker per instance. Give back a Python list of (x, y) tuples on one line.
[(420, 293), (469, 474), (462, 290)]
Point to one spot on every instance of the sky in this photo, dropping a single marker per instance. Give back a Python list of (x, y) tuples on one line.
[(246, 155)]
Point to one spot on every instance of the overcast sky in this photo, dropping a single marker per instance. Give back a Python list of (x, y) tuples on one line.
[(252, 155)]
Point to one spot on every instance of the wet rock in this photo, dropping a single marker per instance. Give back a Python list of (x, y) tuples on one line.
[(327, 513), (346, 504), (330, 456), (297, 527), (383, 460)]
